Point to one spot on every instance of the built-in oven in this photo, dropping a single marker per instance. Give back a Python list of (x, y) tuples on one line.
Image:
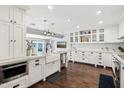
[(13, 71), (117, 69)]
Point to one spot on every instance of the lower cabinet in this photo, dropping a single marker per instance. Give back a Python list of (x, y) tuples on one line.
[(18, 83), (96, 58), (100, 59), (35, 70), (108, 59), (52, 67)]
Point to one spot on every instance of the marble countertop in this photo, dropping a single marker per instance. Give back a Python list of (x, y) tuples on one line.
[(17, 60)]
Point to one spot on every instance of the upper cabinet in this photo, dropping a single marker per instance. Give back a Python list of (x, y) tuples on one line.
[(18, 16), (121, 29), (12, 32), (5, 13), (106, 35)]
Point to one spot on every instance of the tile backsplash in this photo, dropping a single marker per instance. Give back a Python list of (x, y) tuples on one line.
[(99, 46)]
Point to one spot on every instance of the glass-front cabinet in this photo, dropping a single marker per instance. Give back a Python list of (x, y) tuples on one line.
[(94, 35), (71, 37), (101, 35), (87, 36), (76, 37)]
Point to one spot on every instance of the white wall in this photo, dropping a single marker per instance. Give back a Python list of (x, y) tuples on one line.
[(111, 33)]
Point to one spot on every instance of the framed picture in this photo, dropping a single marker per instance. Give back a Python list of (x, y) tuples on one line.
[(61, 44)]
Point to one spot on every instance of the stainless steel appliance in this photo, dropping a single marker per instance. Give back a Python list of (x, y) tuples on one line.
[(13, 71), (117, 69)]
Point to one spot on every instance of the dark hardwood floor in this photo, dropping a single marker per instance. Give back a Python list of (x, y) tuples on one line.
[(75, 76)]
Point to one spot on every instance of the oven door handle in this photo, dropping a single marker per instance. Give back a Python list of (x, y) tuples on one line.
[(13, 66)]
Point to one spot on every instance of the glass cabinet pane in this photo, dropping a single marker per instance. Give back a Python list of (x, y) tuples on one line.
[(101, 37), (71, 39), (71, 34), (101, 30), (76, 39), (76, 33), (94, 38), (94, 31)]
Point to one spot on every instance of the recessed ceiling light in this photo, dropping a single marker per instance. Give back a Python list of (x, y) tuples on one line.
[(50, 7), (100, 22), (98, 12), (68, 20), (78, 26)]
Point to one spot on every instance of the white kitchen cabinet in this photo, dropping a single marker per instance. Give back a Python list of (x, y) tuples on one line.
[(18, 16), (100, 59), (75, 56), (56, 66), (48, 69), (5, 13), (52, 67), (18, 41), (17, 83), (5, 40), (11, 32), (92, 58), (108, 59), (121, 29), (35, 70)]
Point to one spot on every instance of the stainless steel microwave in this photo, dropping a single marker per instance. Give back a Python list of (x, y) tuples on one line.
[(13, 71)]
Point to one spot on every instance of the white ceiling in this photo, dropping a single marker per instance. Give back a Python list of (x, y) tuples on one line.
[(82, 15)]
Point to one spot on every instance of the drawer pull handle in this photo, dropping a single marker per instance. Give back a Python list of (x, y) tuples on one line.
[(122, 68), (16, 86), (36, 60), (36, 64)]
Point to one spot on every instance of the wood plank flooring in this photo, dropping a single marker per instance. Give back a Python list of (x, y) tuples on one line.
[(75, 76)]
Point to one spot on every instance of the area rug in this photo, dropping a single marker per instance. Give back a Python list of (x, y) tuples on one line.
[(106, 81)]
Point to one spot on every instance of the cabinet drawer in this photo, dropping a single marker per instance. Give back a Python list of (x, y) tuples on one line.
[(100, 63), (19, 84), (6, 85)]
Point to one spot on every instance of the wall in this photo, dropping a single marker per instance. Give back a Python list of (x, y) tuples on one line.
[(111, 33), (55, 44)]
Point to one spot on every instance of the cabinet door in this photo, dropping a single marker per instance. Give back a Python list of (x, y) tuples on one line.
[(18, 16), (92, 58), (5, 40), (35, 72), (48, 69), (56, 66), (18, 41), (108, 59), (5, 13)]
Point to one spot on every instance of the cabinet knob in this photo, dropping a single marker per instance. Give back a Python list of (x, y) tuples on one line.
[(37, 60), (11, 21), (122, 68), (37, 64), (14, 21), (11, 40), (16, 86), (14, 40)]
